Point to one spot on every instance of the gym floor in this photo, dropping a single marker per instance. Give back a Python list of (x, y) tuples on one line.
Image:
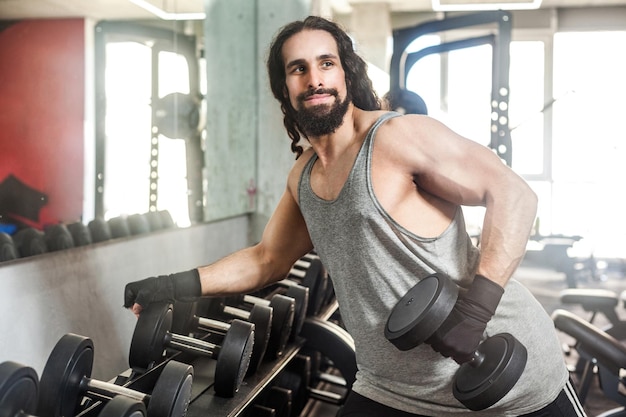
[(546, 284)]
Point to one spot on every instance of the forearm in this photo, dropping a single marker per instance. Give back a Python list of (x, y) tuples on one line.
[(506, 228), (241, 272)]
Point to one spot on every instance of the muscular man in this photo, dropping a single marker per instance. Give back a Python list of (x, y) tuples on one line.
[(379, 196)]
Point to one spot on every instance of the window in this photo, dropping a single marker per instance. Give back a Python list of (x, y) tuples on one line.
[(589, 139), (526, 107), (148, 77)]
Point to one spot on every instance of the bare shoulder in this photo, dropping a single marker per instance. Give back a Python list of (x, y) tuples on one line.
[(295, 173), (416, 127), (422, 142), (408, 139)]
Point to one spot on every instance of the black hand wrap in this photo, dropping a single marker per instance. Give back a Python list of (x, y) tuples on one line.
[(181, 286), (462, 331)]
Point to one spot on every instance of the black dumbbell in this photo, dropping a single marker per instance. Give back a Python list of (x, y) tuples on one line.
[(100, 230), (497, 364), (119, 227), (154, 220), (311, 274), (138, 224), (166, 219), (278, 399), (215, 308), (296, 378), (300, 294), (282, 320), (8, 251), (153, 335), (121, 406), (58, 237), (30, 242), (80, 233), (261, 411), (19, 390), (66, 380)]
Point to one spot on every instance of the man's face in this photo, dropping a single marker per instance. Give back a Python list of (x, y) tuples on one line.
[(315, 81)]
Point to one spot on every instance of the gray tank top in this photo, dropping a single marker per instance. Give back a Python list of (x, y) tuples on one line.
[(373, 261)]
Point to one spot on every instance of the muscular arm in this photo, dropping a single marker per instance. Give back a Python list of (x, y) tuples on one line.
[(466, 173), (284, 240)]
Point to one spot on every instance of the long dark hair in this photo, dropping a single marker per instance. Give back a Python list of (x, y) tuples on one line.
[(358, 83)]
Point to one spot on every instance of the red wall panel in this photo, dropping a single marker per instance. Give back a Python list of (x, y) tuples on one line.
[(42, 93)]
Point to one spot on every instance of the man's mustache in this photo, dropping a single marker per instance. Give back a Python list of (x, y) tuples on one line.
[(307, 94)]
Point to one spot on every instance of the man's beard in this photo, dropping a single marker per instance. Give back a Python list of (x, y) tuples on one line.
[(322, 119)]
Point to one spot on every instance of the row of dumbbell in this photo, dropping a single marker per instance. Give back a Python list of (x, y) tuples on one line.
[(30, 241), (66, 387), (66, 384), (309, 272), (239, 332), (309, 378), (238, 338)]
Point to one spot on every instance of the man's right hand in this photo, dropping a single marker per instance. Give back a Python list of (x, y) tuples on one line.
[(181, 286)]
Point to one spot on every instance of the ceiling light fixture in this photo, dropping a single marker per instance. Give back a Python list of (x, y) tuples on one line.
[(477, 5), (162, 14)]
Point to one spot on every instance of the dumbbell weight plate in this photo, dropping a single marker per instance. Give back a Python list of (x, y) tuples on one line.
[(234, 358), (146, 347), (282, 325), (261, 317), (19, 388), (301, 295), (481, 386), (421, 311), (183, 313), (59, 390), (171, 394), (121, 406), (314, 280), (296, 378)]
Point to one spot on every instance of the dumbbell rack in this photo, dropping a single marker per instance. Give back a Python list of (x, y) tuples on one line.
[(208, 402), (204, 401)]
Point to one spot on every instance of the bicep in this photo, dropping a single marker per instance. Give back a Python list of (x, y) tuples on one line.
[(285, 238)]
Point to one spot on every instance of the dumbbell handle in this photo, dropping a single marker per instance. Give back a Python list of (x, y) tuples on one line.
[(326, 396), (190, 344), (300, 273), (237, 312), (250, 299), (105, 389), (476, 359), (289, 283), (207, 323), (332, 379)]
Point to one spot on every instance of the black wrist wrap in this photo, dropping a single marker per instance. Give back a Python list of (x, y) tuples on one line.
[(482, 298), (187, 285)]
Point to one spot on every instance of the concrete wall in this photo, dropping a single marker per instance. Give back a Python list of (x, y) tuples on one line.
[(274, 157), (248, 151), (80, 290)]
